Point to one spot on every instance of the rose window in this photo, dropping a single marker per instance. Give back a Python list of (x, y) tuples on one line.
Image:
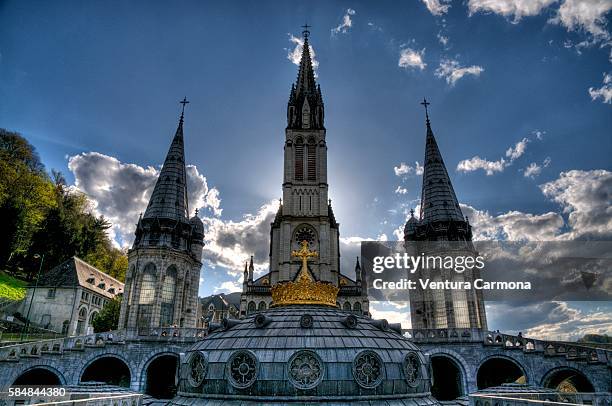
[(412, 368), (198, 367), (368, 369), (242, 368), (305, 369)]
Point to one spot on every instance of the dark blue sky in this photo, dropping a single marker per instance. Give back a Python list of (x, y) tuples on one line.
[(107, 77)]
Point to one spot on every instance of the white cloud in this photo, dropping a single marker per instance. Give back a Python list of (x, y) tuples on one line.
[(549, 320), (476, 162), (532, 170), (451, 71), (295, 54), (229, 287), (229, 243), (509, 8), (384, 310), (442, 39), (604, 92), (403, 170), (585, 198), (401, 190), (346, 23), (437, 7), (518, 150), (490, 167), (120, 191), (410, 58), (586, 15)]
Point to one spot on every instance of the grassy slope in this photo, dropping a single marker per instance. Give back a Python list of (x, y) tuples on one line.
[(11, 288)]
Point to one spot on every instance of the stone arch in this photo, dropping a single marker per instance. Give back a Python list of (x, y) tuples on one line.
[(347, 306), (357, 307), (251, 307), (261, 306), (162, 384), (117, 361), (449, 358), (497, 369), (567, 379), (38, 375)]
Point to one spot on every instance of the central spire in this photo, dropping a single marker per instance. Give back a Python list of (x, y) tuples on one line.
[(305, 107)]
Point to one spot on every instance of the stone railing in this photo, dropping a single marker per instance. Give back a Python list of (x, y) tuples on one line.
[(537, 399), (80, 343), (575, 351)]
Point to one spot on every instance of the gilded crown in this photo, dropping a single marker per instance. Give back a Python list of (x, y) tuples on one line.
[(304, 290)]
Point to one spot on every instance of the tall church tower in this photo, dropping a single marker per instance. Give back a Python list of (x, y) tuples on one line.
[(441, 219), (161, 285), (305, 213)]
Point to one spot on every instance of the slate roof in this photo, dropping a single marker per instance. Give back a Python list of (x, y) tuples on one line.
[(169, 197), (222, 300), (335, 344), (439, 202), (76, 272)]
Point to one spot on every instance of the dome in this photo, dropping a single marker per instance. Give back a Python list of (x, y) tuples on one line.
[(196, 223), (410, 226), (304, 353)]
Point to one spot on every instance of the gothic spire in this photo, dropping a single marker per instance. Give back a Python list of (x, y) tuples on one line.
[(169, 197), (305, 107), (438, 199)]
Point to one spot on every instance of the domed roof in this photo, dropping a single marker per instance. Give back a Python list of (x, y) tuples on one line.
[(410, 225), (304, 354), (197, 224)]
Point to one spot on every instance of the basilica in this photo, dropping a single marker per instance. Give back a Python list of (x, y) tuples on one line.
[(303, 333)]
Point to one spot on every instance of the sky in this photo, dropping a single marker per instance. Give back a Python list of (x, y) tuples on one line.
[(520, 92)]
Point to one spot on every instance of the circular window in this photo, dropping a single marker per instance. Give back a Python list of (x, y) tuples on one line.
[(368, 369), (198, 367), (242, 369), (305, 369), (306, 321), (412, 368), (304, 233)]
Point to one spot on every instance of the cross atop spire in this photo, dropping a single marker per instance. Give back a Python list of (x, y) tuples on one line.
[(425, 103), (306, 31), (183, 102)]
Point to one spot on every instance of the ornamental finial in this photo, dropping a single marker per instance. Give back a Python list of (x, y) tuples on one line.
[(304, 290)]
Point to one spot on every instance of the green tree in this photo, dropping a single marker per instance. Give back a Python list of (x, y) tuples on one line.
[(26, 195), (108, 318)]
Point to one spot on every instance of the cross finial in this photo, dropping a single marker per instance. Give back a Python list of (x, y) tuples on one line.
[(183, 102), (306, 32), (305, 254), (426, 103), (411, 212)]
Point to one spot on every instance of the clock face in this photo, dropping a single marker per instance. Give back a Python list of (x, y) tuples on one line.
[(304, 234)]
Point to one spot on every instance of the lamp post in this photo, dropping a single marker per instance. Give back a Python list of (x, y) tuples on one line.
[(27, 323)]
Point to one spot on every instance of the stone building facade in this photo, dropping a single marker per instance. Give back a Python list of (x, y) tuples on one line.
[(164, 263), (305, 212), (69, 296)]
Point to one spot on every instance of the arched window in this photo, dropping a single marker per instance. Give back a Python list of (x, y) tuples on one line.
[(299, 159), (357, 307), (167, 297), (306, 114), (439, 305), (81, 320), (147, 296), (252, 307), (262, 306), (460, 305), (312, 160), (346, 306)]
